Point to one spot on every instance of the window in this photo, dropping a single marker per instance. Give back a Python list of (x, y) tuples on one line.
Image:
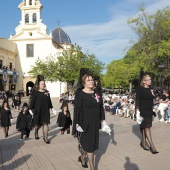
[(30, 2), (10, 66), (1, 64), (30, 50), (27, 18), (34, 18)]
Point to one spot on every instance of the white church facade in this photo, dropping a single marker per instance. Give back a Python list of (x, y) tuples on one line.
[(31, 42)]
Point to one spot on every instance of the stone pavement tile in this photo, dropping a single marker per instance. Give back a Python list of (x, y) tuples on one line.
[(120, 151)]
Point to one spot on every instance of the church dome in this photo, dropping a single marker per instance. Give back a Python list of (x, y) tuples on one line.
[(59, 36)]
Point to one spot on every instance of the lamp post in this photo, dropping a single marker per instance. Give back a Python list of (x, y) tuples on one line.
[(161, 67)]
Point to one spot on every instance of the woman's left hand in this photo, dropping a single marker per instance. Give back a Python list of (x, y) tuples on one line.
[(105, 127)]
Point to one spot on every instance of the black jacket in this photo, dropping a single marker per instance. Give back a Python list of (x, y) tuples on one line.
[(64, 120), (23, 121)]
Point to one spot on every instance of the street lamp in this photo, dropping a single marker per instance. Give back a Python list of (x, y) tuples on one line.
[(161, 67)]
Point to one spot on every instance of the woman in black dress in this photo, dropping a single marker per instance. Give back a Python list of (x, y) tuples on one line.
[(144, 107), (87, 118), (5, 117), (40, 106)]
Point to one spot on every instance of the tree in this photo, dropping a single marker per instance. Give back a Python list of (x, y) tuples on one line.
[(66, 67), (152, 47), (120, 74)]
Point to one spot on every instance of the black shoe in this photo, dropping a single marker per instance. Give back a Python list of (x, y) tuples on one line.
[(37, 138), (85, 165), (146, 149), (46, 141), (153, 151)]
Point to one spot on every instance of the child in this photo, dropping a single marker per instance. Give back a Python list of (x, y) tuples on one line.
[(64, 119), (17, 102), (24, 120), (5, 117)]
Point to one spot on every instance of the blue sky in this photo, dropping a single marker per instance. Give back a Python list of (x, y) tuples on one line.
[(98, 26)]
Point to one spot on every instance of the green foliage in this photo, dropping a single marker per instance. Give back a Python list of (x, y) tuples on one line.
[(120, 73), (66, 67), (151, 49)]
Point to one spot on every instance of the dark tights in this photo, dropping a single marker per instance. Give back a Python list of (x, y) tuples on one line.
[(146, 134), (6, 129), (36, 131), (45, 129), (90, 158)]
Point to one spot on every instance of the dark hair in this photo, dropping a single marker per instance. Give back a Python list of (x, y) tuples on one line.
[(80, 84), (4, 103), (37, 82), (64, 105)]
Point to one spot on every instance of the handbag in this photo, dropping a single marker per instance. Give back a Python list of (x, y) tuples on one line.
[(80, 148)]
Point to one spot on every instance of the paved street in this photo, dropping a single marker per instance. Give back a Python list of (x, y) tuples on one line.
[(120, 151)]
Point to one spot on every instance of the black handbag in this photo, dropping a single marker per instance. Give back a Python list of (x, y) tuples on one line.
[(80, 148)]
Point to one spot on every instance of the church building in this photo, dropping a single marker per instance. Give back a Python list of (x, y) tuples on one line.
[(31, 42)]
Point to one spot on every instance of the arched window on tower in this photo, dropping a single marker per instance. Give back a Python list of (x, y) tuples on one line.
[(27, 18), (34, 18), (30, 2)]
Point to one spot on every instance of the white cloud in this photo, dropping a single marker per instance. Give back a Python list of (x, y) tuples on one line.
[(108, 40)]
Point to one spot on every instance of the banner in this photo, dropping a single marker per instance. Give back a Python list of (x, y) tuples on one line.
[(14, 77), (4, 76)]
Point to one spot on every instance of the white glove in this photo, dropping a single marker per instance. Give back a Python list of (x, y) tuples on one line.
[(104, 123), (105, 127), (12, 120), (31, 112), (79, 129), (58, 111), (54, 111), (139, 118)]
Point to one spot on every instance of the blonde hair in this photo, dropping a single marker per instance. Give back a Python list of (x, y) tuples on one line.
[(143, 79)]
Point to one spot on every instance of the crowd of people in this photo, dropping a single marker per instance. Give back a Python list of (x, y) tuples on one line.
[(90, 106), (125, 105)]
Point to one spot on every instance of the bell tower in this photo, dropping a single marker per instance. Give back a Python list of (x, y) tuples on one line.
[(30, 18)]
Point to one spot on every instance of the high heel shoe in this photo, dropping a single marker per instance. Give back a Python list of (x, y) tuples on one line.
[(85, 165), (46, 141), (36, 137), (153, 151), (146, 149)]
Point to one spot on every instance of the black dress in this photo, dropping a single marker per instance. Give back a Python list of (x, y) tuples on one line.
[(144, 102), (5, 118), (89, 112), (17, 102), (23, 123), (41, 103), (64, 120)]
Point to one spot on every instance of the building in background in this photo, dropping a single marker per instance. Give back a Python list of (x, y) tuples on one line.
[(8, 57), (31, 42)]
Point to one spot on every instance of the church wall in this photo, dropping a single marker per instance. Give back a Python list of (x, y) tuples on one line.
[(42, 49)]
